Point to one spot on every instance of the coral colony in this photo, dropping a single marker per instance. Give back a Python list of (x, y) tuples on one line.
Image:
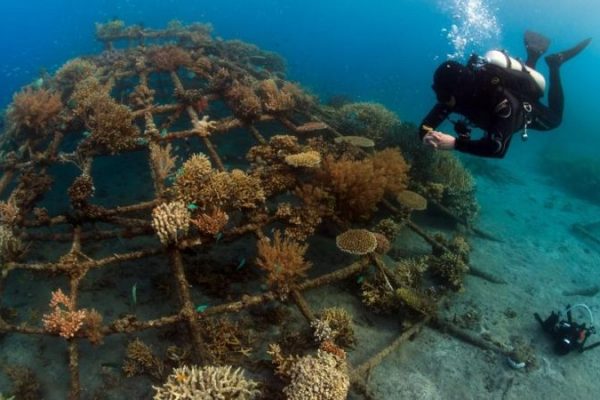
[(345, 174)]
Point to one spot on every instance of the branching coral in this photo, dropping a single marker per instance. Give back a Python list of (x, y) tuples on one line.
[(169, 58), (449, 267), (9, 212), (81, 190), (276, 99), (198, 183), (140, 359), (11, 247), (34, 109), (359, 185), (245, 102), (73, 72), (323, 376), (64, 318), (211, 223), (162, 161), (335, 325), (171, 221), (208, 382), (283, 260), (110, 123)]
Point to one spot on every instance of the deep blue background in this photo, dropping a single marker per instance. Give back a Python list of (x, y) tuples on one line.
[(376, 50)]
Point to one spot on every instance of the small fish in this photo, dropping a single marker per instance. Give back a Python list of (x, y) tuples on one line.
[(87, 134), (201, 308), (134, 294), (360, 279), (163, 133), (241, 263), (192, 207), (218, 236)]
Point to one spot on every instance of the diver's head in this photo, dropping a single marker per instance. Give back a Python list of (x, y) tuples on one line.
[(448, 81)]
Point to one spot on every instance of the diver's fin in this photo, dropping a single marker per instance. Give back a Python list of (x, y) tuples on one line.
[(555, 60), (536, 45)]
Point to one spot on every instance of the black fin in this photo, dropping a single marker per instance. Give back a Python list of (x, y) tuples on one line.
[(536, 45), (558, 58)]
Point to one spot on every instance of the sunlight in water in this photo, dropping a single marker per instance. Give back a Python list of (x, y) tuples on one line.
[(473, 24)]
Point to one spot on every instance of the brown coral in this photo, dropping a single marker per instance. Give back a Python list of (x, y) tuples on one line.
[(81, 190), (307, 159), (34, 109), (283, 260), (275, 99), (356, 242), (111, 124), (211, 223), (207, 382), (64, 318), (245, 102), (411, 200), (169, 58), (140, 359)]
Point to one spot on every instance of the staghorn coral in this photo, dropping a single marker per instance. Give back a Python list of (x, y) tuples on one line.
[(194, 173), (323, 376), (171, 221), (371, 120), (244, 101), (64, 319), (275, 99), (356, 242), (110, 123), (139, 360), (449, 270), (208, 382), (283, 260), (141, 97), (169, 58), (35, 110), (227, 340), (307, 159), (378, 297), (211, 223), (92, 327), (11, 247), (9, 212), (409, 271), (161, 161), (335, 325)]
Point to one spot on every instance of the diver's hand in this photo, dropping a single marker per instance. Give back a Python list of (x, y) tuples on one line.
[(439, 140)]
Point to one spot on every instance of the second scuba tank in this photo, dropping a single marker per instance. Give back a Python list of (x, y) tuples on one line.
[(501, 59)]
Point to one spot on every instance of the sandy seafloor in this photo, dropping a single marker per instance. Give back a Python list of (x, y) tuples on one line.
[(539, 257)]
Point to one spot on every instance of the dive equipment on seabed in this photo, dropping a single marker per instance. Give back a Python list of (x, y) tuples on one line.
[(567, 334), (501, 59)]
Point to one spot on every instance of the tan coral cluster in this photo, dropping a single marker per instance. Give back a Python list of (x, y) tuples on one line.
[(192, 382), (81, 190), (357, 242), (334, 325), (283, 260), (34, 109), (11, 246), (169, 58), (111, 124), (73, 72), (198, 183), (139, 359), (307, 159), (64, 318), (245, 102), (211, 223), (323, 376), (171, 221), (276, 99)]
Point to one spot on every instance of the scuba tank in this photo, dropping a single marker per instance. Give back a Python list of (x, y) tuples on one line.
[(501, 59)]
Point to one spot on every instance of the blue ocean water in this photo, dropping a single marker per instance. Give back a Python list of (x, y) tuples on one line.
[(380, 50)]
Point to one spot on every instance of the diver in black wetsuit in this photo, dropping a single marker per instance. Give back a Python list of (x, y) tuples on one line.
[(494, 104)]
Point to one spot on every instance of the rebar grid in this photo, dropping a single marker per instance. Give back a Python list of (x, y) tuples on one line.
[(31, 156)]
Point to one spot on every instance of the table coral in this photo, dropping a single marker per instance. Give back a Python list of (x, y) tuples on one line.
[(356, 242)]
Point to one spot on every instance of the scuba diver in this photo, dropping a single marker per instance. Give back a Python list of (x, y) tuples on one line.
[(567, 334), (499, 95)]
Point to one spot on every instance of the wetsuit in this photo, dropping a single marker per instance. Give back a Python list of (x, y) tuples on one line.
[(499, 113)]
